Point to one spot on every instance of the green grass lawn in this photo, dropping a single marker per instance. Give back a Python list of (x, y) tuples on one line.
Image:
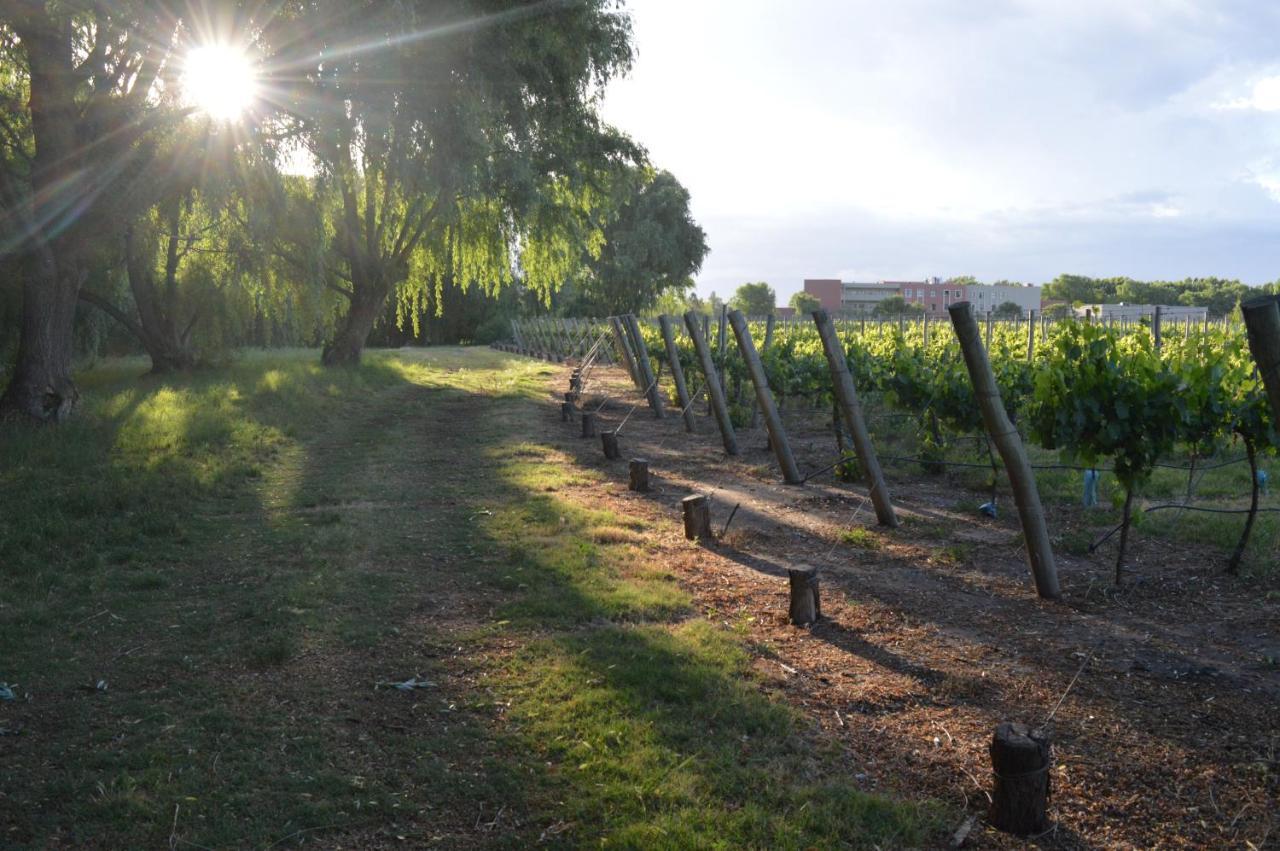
[(240, 556)]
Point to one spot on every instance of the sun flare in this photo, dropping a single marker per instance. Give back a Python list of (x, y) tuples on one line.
[(219, 80)]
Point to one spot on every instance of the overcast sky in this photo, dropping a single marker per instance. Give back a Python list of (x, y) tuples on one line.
[(999, 138)]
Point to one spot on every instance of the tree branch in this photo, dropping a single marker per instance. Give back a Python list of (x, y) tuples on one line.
[(114, 312)]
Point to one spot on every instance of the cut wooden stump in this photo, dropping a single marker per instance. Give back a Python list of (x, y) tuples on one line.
[(566, 412), (805, 608), (640, 476), (609, 442), (588, 424), (1020, 765), (697, 518), (571, 396)]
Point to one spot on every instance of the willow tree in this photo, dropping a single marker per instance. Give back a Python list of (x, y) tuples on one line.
[(652, 246), (460, 141), (76, 79)]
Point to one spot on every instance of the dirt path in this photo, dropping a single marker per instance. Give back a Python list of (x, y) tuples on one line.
[(933, 634)]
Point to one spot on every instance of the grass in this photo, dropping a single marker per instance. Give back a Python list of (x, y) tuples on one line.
[(861, 537), (244, 554)]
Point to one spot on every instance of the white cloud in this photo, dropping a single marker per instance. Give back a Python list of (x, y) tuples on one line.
[(1023, 137), (1264, 96)]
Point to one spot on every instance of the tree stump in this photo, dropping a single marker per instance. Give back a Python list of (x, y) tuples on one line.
[(571, 397), (588, 424), (640, 476), (697, 518), (609, 441), (575, 382), (566, 412), (1020, 765), (805, 608)]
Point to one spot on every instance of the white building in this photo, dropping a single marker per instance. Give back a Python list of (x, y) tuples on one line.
[(1133, 312), (987, 297)]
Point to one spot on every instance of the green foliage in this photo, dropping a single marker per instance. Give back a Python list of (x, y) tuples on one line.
[(1007, 310), (754, 299), (652, 247), (804, 304), (895, 305), (1100, 394), (1219, 295)]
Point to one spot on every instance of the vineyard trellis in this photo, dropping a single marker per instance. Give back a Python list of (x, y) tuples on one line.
[(1123, 398)]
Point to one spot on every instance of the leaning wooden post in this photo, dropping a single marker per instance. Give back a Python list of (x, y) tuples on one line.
[(651, 390), (639, 471), (516, 335), (624, 349), (777, 434), (1155, 328), (851, 409), (1031, 336), (764, 349), (805, 607), (1020, 766), (677, 373), (1262, 324), (715, 393), (697, 518), (1021, 477)]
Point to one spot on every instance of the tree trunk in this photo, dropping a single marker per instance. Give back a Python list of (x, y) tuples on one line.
[(41, 388), (348, 342), (1125, 519), (1233, 566)]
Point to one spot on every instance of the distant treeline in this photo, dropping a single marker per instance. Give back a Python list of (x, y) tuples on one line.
[(1220, 295)]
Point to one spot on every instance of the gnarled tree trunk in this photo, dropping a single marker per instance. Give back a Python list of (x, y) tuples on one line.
[(348, 343), (42, 388)]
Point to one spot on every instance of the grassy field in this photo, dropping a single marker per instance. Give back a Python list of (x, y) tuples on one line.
[(210, 583)]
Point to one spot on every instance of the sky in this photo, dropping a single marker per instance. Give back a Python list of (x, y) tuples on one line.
[(1015, 139)]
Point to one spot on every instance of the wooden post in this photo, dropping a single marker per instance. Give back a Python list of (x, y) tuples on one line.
[(566, 412), (517, 336), (1262, 324), (988, 329), (714, 391), (588, 424), (639, 470), (1031, 336), (1155, 328), (777, 434), (697, 518), (805, 607), (1020, 765), (624, 349), (768, 341), (924, 328), (677, 374), (1005, 437), (846, 393), (650, 387), (609, 443)]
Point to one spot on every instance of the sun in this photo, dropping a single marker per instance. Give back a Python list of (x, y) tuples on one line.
[(220, 81)]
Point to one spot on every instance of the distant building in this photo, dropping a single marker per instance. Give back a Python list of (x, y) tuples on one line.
[(784, 312), (932, 294), (1131, 312), (839, 296), (987, 297)]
